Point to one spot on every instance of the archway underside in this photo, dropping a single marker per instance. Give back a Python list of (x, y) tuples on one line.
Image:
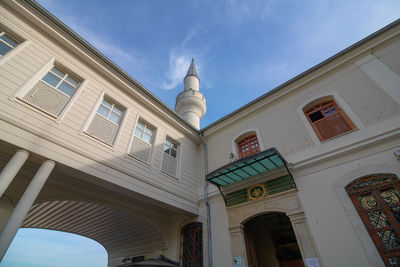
[(120, 233)]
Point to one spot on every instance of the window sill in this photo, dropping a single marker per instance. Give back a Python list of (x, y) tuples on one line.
[(169, 175), (36, 109), (97, 140), (339, 135), (144, 163)]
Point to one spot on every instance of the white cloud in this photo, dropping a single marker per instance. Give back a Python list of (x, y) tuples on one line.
[(178, 66), (180, 58)]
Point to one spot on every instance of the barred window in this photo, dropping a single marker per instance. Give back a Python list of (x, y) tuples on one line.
[(7, 43), (106, 122), (328, 120), (52, 93), (170, 153), (142, 142), (377, 200)]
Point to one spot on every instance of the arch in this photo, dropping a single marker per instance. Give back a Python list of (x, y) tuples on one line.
[(326, 96), (243, 134), (327, 118), (120, 232), (286, 203), (55, 246), (376, 198)]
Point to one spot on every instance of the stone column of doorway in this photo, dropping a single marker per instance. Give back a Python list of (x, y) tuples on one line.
[(23, 206), (238, 244), (13, 166), (303, 236)]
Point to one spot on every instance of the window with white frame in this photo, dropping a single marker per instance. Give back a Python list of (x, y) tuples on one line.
[(7, 43), (106, 121), (170, 157), (142, 141), (52, 93)]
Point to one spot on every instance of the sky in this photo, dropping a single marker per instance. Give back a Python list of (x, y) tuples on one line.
[(242, 49)]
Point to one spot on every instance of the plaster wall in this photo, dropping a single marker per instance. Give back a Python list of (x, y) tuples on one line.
[(283, 125)]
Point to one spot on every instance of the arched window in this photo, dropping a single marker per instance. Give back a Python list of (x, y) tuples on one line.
[(377, 200), (192, 244), (248, 146), (328, 120)]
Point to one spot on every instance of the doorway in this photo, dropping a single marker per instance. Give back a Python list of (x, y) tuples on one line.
[(271, 242)]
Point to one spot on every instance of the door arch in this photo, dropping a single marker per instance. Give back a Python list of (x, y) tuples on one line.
[(286, 203), (271, 241)]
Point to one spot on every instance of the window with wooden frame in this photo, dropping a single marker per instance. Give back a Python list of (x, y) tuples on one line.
[(7, 43), (142, 141), (106, 121), (248, 146), (377, 200), (52, 93), (328, 120)]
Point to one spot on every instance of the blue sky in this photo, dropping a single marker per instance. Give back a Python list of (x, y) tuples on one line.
[(47, 248), (242, 49)]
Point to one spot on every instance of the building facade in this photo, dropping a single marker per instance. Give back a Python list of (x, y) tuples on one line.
[(305, 175)]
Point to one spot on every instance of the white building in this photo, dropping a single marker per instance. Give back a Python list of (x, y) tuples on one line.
[(306, 174)]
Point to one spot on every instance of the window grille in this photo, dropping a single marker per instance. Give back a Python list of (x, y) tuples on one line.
[(52, 92), (142, 142), (105, 123), (170, 153), (377, 200), (7, 43), (192, 244), (248, 146), (328, 120)]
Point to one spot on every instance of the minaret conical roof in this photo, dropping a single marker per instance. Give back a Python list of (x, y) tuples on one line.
[(192, 70)]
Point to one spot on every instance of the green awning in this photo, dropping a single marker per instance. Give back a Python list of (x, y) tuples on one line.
[(247, 167)]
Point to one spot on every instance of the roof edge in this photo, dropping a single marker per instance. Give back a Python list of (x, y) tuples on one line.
[(305, 73), (106, 60)]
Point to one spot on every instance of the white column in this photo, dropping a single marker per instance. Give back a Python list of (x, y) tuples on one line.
[(11, 169), (381, 74), (23, 206)]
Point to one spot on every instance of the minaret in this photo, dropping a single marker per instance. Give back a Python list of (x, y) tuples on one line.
[(191, 104)]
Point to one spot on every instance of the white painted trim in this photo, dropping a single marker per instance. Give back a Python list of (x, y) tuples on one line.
[(361, 232), (243, 132), (121, 126), (93, 113), (14, 51), (178, 157), (32, 80), (89, 119), (132, 137), (153, 144), (340, 102), (71, 101)]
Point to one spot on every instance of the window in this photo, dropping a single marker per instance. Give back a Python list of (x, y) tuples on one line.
[(142, 142), (7, 43), (53, 91), (106, 121), (377, 200), (328, 120), (170, 153), (248, 146), (192, 244)]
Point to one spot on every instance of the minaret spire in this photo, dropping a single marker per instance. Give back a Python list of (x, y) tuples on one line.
[(192, 70), (190, 103)]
